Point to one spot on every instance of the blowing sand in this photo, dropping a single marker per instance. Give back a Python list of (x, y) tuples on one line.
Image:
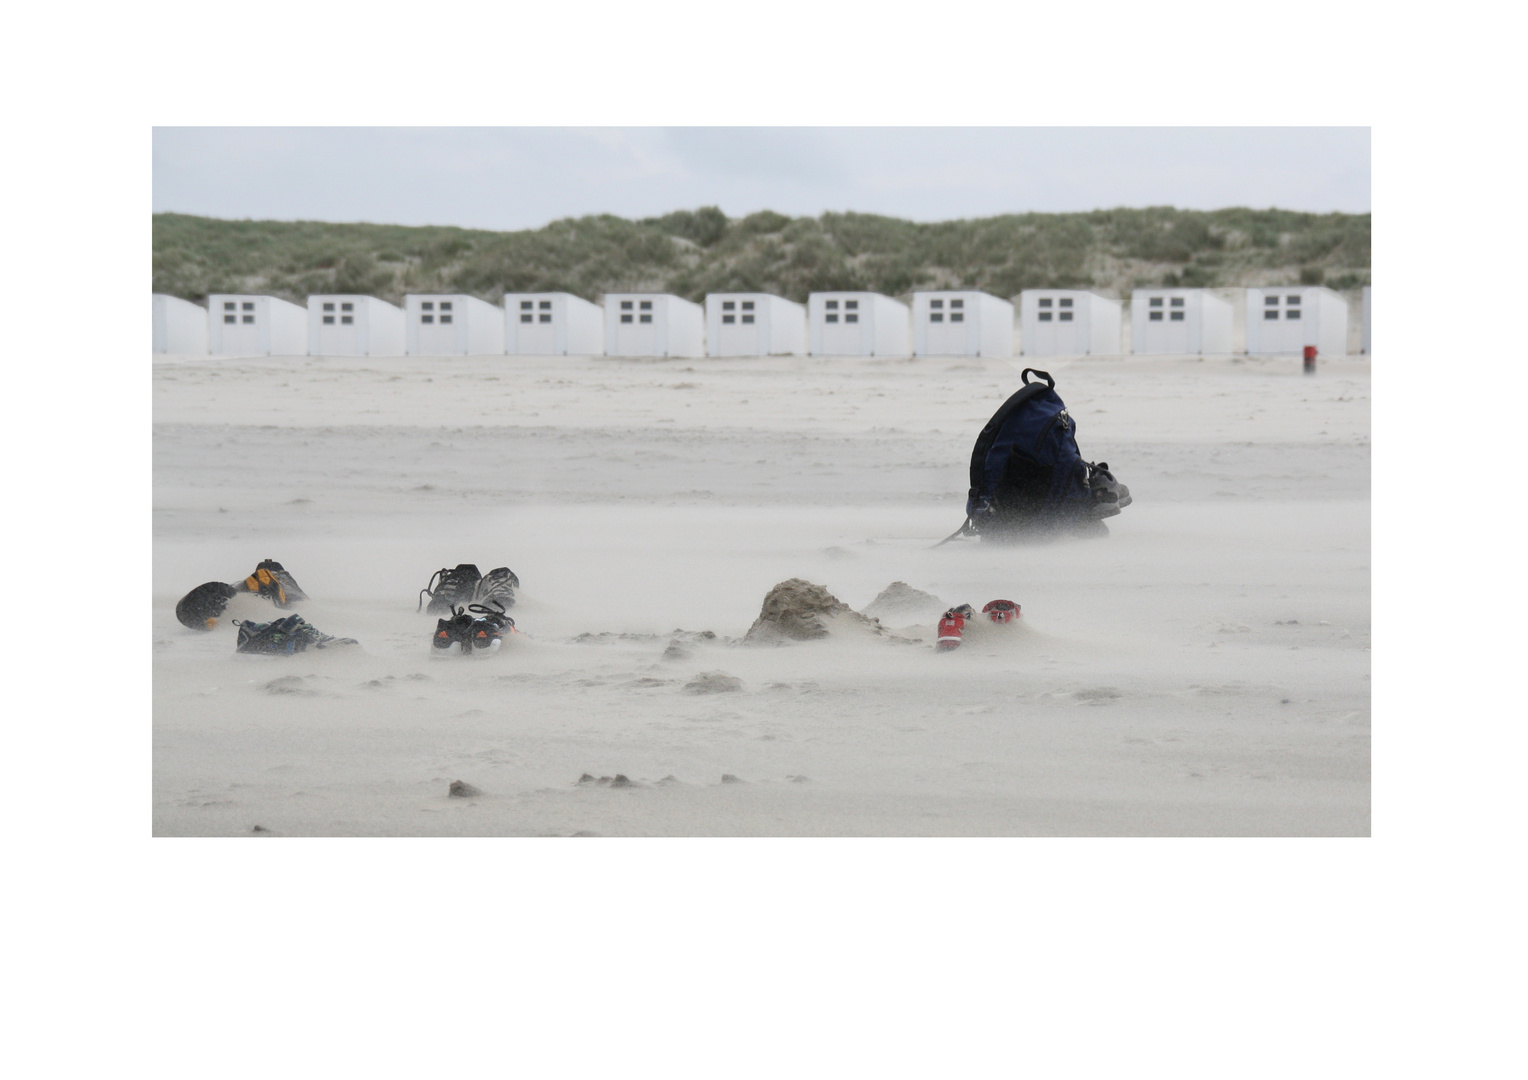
[(1204, 670)]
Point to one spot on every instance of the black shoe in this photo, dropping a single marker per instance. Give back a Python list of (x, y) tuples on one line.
[(201, 608), (284, 637), (448, 588), (275, 584), (457, 630), (1109, 495), (498, 586), (490, 626)]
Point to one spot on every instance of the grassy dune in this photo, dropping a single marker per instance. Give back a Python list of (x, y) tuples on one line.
[(695, 252)]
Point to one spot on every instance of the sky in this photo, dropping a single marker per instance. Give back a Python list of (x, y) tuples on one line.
[(523, 178)]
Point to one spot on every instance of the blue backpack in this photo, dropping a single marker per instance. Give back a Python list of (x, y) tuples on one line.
[(1027, 476)]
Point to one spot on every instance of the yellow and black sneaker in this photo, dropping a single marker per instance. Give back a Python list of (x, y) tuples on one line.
[(201, 608), (271, 581)]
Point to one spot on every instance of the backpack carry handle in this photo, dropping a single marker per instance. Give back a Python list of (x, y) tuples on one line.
[(1043, 374)]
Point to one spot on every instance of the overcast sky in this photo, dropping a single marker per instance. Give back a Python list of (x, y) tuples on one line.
[(519, 178)]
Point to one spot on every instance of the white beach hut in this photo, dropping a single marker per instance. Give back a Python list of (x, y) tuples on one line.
[(961, 323), (1069, 322), (552, 324), (180, 327), (754, 324), (240, 325), (343, 325), (451, 324), (653, 324), (1367, 344), (857, 324), (1282, 321), (1179, 322)]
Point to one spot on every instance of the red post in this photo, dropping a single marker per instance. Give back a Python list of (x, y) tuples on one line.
[(1310, 359)]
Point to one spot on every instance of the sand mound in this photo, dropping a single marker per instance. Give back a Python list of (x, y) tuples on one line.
[(900, 603), (798, 610)]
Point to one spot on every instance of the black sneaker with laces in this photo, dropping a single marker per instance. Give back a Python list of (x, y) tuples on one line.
[(498, 586), (284, 637), (449, 587), (457, 630), (488, 629)]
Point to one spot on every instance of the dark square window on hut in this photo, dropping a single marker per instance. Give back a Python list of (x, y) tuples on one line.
[(936, 316), (936, 303), (328, 320), (1156, 316), (832, 318), (546, 316), (1292, 313), (729, 319), (1045, 316), (1177, 301), (646, 318), (626, 306), (851, 317), (1066, 316), (728, 305), (546, 305), (1177, 316), (960, 316), (1065, 301), (328, 307), (427, 318), (1156, 301), (347, 320), (347, 307), (527, 305), (1045, 301), (527, 317), (747, 319), (626, 318), (747, 305), (1270, 314), (230, 318), (428, 305), (249, 318)]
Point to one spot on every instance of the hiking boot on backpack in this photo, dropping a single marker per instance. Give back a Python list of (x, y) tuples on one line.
[(1108, 494), (201, 608), (952, 627), (497, 586), (449, 588), (457, 630), (1001, 611), (271, 581), (284, 637)]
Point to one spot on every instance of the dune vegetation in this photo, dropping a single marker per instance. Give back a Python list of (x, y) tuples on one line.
[(693, 252)]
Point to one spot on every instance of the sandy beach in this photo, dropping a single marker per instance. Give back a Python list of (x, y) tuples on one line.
[(1204, 670)]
